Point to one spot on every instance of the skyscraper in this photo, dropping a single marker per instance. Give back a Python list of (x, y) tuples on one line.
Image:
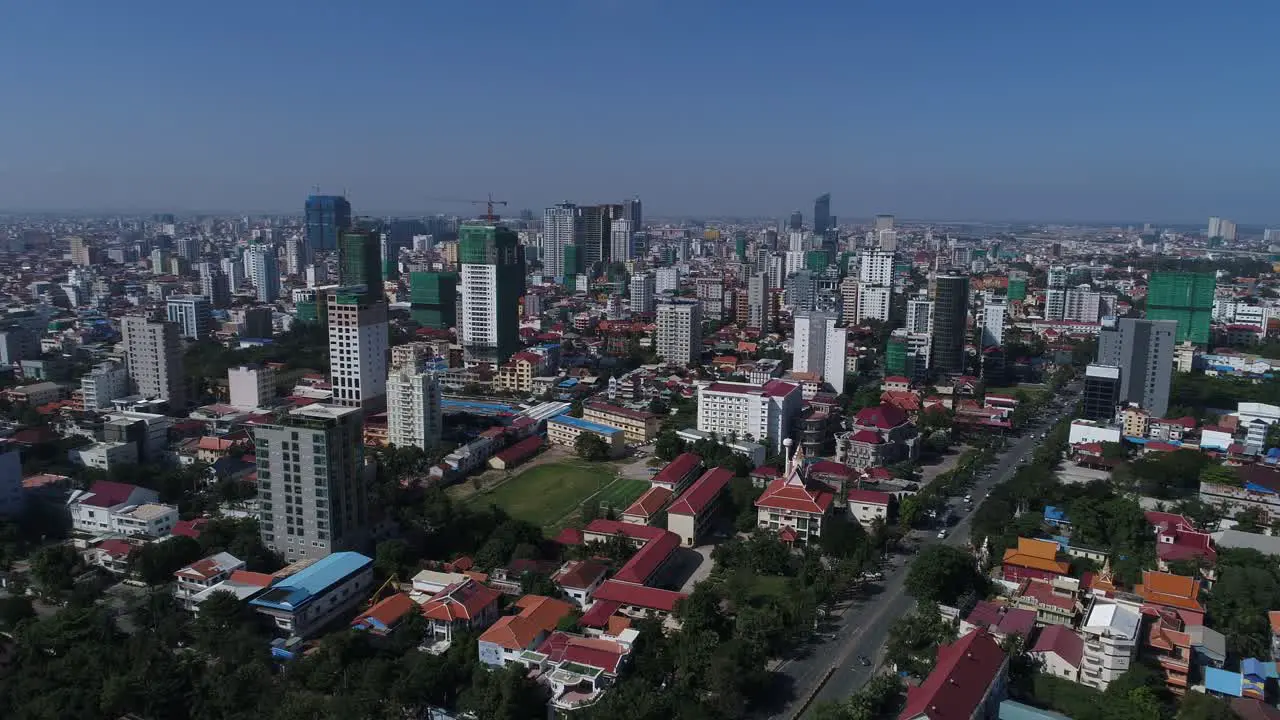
[(81, 252), (1055, 295), (797, 220), (327, 217), (358, 348), (360, 261), (643, 293), (214, 285), (1143, 350), (920, 316), (1186, 298), (993, 316), (597, 229), (1101, 392), (263, 271), (950, 323), (296, 260), (822, 214), (192, 314), (492, 285), (820, 347), (560, 229), (313, 483), (414, 415), (678, 338), (154, 354), (633, 211), (758, 302), (620, 237)]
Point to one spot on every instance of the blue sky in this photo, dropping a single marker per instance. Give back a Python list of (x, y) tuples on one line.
[(950, 110)]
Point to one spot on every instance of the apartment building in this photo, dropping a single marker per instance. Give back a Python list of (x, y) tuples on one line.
[(750, 412), (638, 426)]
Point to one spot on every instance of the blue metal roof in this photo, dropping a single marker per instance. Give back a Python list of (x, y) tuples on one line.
[(585, 424), (300, 588), (475, 407), (1222, 681), (1055, 514)]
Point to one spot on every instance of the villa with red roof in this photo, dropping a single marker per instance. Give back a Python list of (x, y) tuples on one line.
[(91, 509), (577, 669), (514, 634), (202, 575), (462, 606), (1177, 539), (867, 506), (678, 473), (792, 506), (968, 681), (879, 435), (385, 615), (1060, 650), (689, 515)]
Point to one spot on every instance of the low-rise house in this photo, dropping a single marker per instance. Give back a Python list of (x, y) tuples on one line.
[(1055, 602), (1002, 622), (202, 575), (1171, 430), (1033, 558), (867, 506), (1060, 652), (578, 670), (647, 507), (578, 580), (1111, 641), (462, 607), (969, 680), (242, 584), (678, 473), (112, 554), (564, 430), (112, 507), (306, 601), (385, 615), (1177, 540), (512, 635)]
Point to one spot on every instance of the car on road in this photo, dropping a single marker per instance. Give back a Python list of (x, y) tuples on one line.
[(942, 534), (864, 661), (872, 576)]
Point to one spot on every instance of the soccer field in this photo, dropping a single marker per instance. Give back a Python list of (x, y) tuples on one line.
[(622, 493), (545, 494)]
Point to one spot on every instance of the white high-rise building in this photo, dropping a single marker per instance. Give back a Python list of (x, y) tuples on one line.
[(920, 317), (1082, 304), (234, 270), (849, 299), (666, 279), (1222, 228), (819, 347), (643, 292), (153, 350), (317, 275), (107, 381), (358, 349), (263, 271), (797, 241), (876, 268), (296, 260), (1057, 277), (994, 311), (678, 338), (758, 309), (414, 415), (620, 236), (887, 239), (251, 386), (1055, 304), (873, 302), (559, 230), (793, 262)]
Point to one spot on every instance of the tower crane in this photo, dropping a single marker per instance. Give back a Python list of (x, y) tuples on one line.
[(488, 203)]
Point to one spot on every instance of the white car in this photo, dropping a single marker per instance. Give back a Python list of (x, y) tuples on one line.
[(942, 534)]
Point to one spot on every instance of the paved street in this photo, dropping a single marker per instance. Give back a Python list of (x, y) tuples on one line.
[(863, 627)]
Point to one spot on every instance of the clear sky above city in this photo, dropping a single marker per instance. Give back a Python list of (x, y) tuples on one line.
[(1000, 109)]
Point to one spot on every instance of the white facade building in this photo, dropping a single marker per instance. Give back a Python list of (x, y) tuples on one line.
[(874, 302), (559, 224), (263, 271), (993, 317), (251, 386), (193, 314), (1111, 641), (154, 353), (643, 293), (820, 347), (876, 268), (919, 317), (620, 236), (414, 414), (358, 349), (748, 411), (666, 279), (104, 383), (1082, 304), (678, 337)]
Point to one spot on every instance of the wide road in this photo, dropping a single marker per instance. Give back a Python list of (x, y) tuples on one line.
[(863, 628)]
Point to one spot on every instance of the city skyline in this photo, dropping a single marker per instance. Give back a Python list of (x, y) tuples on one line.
[(1060, 116)]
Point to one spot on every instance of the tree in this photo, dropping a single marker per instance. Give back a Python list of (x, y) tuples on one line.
[(13, 610), (1221, 474), (1199, 706), (506, 694), (668, 446), (591, 446), (391, 557), (54, 568), (914, 639), (155, 563), (942, 573), (1248, 586)]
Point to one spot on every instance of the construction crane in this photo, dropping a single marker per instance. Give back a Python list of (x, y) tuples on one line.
[(488, 203)]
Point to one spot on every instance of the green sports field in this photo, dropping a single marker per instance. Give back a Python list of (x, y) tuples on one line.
[(545, 494)]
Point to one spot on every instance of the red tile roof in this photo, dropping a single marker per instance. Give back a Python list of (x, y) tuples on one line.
[(869, 497), (677, 470), (1062, 640), (189, 528), (595, 652), (648, 504), (884, 417), (869, 437), (701, 493), (460, 601), (638, 596), (827, 467), (109, 494), (520, 450), (388, 612), (965, 670), (791, 496), (599, 614), (579, 574), (568, 536), (116, 547), (646, 561)]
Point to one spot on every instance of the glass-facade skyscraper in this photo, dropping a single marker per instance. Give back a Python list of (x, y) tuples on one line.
[(950, 323), (822, 214), (360, 260), (327, 217)]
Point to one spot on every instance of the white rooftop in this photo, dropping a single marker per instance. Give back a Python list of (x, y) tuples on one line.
[(1114, 619)]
